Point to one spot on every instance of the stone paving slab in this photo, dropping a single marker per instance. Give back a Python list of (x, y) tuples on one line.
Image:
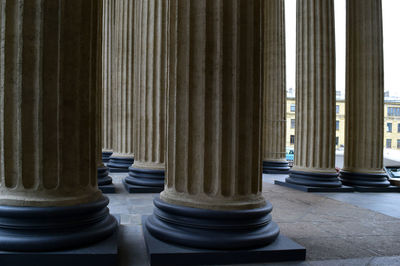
[(334, 232)]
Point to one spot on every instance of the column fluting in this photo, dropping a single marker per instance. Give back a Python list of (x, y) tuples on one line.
[(214, 129), (314, 160), (123, 99), (150, 85), (274, 81), (108, 57), (363, 157), (48, 140)]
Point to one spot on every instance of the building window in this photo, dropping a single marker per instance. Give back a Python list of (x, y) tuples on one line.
[(388, 143), (398, 144), (291, 139), (292, 123), (393, 111), (337, 141), (389, 127), (398, 128), (292, 107), (337, 109), (337, 124)]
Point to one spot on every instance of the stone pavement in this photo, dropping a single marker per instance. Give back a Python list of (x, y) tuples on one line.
[(334, 231)]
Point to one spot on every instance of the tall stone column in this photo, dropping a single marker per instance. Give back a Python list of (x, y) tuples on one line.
[(123, 107), (108, 57), (48, 89), (274, 101), (104, 83), (213, 182), (314, 162), (363, 157), (150, 84)]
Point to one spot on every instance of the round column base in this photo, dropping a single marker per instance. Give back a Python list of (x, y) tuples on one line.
[(146, 178), (311, 179), (120, 164), (105, 156), (103, 178), (210, 229), (364, 179), (274, 167), (55, 228)]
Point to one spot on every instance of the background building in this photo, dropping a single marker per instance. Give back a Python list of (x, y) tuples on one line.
[(392, 121)]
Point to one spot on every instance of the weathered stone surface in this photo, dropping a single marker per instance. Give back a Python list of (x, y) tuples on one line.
[(315, 87), (274, 81), (108, 57), (150, 81), (48, 92), (123, 98), (364, 95), (214, 110)]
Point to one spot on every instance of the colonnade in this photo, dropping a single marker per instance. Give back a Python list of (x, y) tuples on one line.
[(190, 90)]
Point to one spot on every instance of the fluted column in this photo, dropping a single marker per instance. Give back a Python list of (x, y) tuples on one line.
[(108, 55), (123, 107), (214, 128), (314, 162), (150, 84), (363, 157), (274, 81), (48, 109), (104, 102)]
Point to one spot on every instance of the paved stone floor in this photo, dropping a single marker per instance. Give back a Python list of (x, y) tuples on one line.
[(336, 229)]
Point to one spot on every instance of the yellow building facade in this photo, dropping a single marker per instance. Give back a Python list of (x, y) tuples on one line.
[(392, 123)]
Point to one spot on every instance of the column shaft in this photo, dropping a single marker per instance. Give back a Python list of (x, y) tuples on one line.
[(108, 57), (123, 100), (48, 106), (49, 97), (363, 158), (274, 101), (314, 162), (150, 84)]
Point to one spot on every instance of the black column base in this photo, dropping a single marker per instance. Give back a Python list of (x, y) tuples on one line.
[(102, 253), (177, 235), (311, 179), (119, 164), (210, 229), (104, 181), (273, 167), (314, 189), (364, 180), (144, 180), (35, 229), (105, 156)]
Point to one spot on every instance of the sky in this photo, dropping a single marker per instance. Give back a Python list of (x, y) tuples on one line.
[(391, 44)]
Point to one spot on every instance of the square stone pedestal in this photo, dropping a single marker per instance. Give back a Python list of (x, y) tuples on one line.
[(164, 254), (104, 253), (107, 189), (314, 189), (141, 189)]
